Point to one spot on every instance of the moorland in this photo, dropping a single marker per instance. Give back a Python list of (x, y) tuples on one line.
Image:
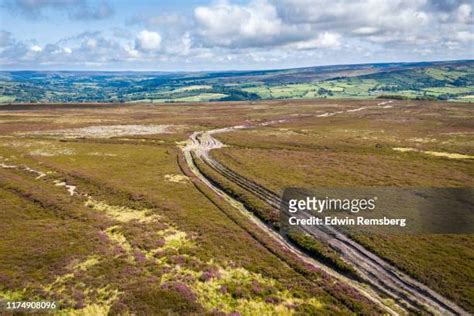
[(108, 208)]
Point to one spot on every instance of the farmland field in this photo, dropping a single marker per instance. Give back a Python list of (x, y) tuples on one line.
[(447, 81), (112, 217)]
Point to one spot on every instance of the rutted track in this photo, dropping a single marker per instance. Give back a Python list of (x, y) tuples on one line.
[(368, 293), (379, 274), (383, 276)]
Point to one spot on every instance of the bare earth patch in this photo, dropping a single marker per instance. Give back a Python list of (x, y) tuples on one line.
[(70, 188), (39, 174)]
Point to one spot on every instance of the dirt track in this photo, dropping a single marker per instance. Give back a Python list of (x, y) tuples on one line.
[(381, 277)]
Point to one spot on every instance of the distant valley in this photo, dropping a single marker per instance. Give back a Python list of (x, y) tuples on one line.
[(447, 81)]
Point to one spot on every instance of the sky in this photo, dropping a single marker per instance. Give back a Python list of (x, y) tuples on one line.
[(229, 35)]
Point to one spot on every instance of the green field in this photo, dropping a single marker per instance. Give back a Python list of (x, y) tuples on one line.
[(436, 83), (446, 81)]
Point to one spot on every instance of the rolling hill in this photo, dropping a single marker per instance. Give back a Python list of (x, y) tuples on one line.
[(448, 80)]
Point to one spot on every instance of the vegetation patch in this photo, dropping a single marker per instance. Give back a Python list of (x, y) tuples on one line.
[(434, 153), (236, 289), (121, 213), (176, 178), (321, 252)]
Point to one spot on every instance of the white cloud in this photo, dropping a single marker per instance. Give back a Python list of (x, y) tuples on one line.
[(225, 24), (251, 33), (328, 40), (91, 43), (36, 48), (185, 45), (464, 13), (366, 30), (131, 51), (465, 36), (324, 40), (262, 23), (148, 41)]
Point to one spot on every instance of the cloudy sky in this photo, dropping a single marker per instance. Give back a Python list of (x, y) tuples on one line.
[(172, 35)]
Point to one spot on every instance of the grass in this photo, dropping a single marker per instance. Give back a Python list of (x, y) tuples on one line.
[(121, 243), (348, 88), (443, 262), (321, 251), (357, 150)]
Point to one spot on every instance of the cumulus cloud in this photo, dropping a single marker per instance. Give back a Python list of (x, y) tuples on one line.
[(36, 48), (88, 48), (464, 14), (265, 33), (327, 23), (225, 24), (324, 40), (356, 17), (174, 34), (148, 41)]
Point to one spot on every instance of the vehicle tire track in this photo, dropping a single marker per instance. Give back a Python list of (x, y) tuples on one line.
[(379, 274)]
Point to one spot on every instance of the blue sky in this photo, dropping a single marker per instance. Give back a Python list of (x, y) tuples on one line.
[(223, 35)]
